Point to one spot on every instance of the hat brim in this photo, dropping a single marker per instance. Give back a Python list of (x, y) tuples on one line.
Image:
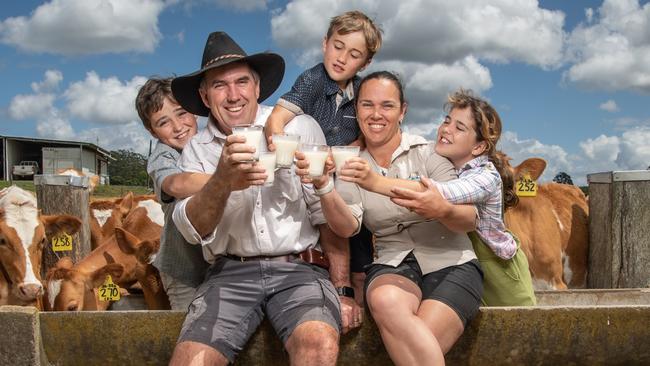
[(269, 66)]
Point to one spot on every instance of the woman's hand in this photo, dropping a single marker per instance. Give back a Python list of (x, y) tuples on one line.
[(357, 170), (429, 203), (302, 170)]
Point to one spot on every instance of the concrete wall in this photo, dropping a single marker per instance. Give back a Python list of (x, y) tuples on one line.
[(617, 335)]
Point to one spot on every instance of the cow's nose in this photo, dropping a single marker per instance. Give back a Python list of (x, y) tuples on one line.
[(30, 290)]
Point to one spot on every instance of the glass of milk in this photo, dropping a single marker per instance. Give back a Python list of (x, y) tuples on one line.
[(342, 153), (316, 155), (267, 160), (285, 147), (253, 135)]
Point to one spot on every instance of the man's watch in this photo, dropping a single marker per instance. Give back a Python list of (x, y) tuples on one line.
[(345, 291)]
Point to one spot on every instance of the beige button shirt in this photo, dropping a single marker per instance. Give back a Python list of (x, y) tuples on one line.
[(275, 220), (399, 231)]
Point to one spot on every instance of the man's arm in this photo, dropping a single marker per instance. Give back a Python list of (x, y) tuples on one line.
[(205, 209), (182, 185)]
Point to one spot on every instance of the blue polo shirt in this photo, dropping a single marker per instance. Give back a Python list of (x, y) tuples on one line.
[(314, 93)]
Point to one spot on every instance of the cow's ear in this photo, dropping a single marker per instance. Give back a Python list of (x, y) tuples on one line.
[(115, 270), (147, 249), (55, 224), (126, 204), (533, 166), (127, 242)]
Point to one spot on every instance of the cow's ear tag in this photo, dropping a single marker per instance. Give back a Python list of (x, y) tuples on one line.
[(526, 186), (62, 242), (109, 291)]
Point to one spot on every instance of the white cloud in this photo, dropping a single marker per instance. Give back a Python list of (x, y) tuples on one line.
[(132, 136), (71, 27), (26, 106), (436, 31), (612, 51), (242, 5), (109, 100), (609, 106), (55, 127), (51, 82)]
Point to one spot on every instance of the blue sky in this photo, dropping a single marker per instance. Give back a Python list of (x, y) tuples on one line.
[(571, 79)]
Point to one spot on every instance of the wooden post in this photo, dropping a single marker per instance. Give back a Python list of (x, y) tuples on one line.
[(63, 194), (619, 229)]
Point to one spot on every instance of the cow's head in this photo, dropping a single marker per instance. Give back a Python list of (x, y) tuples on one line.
[(106, 215), (71, 290), (23, 234), (143, 250)]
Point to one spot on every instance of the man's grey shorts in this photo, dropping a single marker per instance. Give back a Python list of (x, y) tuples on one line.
[(231, 303)]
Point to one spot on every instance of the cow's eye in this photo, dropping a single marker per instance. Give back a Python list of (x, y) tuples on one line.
[(43, 241), (3, 241), (72, 307)]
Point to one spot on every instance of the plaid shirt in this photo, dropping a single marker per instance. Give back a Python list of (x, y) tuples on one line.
[(316, 94), (480, 183)]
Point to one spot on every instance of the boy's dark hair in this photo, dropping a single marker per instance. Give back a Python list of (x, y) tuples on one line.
[(151, 97), (354, 21)]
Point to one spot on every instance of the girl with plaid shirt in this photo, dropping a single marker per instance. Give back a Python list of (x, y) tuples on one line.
[(468, 138)]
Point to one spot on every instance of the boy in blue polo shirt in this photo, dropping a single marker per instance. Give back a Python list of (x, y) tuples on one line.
[(326, 92)]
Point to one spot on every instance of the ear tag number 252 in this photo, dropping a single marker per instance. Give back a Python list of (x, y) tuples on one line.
[(109, 291), (526, 186)]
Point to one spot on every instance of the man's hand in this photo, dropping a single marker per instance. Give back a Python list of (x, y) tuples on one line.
[(235, 166), (351, 314), (429, 204)]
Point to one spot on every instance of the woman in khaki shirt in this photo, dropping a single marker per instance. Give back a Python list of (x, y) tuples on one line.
[(426, 283)]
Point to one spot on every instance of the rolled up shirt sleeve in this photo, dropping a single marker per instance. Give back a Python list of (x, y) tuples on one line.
[(184, 226)]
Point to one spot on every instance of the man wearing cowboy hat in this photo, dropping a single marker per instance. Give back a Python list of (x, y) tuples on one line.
[(262, 241)]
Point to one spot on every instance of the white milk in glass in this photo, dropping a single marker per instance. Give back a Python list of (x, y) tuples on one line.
[(342, 153), (285, 147), (316, 162), (253, 135), (268, 160)]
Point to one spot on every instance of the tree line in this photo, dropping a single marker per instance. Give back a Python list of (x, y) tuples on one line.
[(128, 169)]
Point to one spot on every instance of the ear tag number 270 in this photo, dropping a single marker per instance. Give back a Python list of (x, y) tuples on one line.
[(62, 242), (526, 186), (109, 291)]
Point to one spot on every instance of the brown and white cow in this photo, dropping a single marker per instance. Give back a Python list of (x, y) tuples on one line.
[(70, 287), (148, 276), (106, 215), (553, 230), (23, 234)]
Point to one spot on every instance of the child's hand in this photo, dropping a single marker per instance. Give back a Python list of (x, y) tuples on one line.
[(357, 170), (272, 127)]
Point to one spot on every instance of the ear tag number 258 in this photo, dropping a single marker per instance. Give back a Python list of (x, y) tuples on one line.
[(62, 242), (526, 186), (109, 291)]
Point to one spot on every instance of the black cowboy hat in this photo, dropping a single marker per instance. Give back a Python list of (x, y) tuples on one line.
[(221, 50)]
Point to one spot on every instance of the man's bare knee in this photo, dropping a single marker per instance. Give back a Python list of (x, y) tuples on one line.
[(195, 354), (313, 342)]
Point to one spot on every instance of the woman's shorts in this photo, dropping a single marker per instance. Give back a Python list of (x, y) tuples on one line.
[(459, 287)]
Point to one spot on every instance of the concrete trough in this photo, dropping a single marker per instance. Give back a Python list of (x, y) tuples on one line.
[(542, 335)]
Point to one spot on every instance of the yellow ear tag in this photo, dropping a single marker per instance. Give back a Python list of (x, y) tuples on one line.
[(109, 291), (62, 242), (526, 186)]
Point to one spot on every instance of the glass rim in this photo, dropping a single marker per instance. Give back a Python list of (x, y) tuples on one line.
[(346, 147), (290, 135), (246, 126)]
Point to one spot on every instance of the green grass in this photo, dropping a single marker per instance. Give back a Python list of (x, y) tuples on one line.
[(100, 190)]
